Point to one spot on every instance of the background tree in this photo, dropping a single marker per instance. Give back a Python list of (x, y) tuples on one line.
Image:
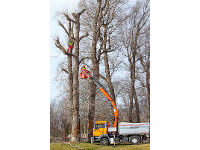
[(133, 40), (144, 57), (55, 120), (113, 10)]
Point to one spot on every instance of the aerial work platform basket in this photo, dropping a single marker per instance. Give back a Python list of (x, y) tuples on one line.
[(84, 74)]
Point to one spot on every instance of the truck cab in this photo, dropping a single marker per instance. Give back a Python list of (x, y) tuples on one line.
[(100, 129)]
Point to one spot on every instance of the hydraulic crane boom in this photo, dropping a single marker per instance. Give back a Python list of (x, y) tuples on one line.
[(86, 74)]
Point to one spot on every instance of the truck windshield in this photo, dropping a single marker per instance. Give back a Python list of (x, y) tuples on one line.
[(97, 126)]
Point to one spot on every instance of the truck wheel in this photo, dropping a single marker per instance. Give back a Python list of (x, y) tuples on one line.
[(104, 141), (135, 139)]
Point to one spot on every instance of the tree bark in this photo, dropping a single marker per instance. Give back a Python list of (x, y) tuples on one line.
[(95, 65), (133, 94), (70, 77), (76, 116), (107, 69), (148, 91)]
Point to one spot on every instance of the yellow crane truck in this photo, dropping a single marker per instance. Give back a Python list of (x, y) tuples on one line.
[(120, 133)]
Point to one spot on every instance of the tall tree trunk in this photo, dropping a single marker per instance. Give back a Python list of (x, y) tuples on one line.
[(107, 69), (70, 77), (76, 119), (146, 66), (148, 91), (70, 83), (133, 77), (148, 80), (92, 94), (130, 117), (76, 115), (95, 65), (133, 95)]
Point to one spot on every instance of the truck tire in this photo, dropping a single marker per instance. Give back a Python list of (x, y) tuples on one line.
[(104, 141), (135, 139)]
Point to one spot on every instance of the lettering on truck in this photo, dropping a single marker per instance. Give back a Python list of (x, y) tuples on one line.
[(134, 124)]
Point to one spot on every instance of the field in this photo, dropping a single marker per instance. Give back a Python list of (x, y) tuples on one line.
[(89, 146)]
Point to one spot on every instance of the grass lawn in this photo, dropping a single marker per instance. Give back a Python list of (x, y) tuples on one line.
[(90, 146)]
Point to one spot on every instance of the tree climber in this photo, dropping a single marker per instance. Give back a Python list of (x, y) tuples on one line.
[(71, 45)]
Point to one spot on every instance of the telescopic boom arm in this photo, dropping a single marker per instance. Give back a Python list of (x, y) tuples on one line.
[(102, 89)]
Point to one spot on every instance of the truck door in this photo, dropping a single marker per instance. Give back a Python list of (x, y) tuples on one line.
[(99, 129)]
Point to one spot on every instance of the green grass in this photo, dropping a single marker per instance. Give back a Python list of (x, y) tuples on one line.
[(89, 146)]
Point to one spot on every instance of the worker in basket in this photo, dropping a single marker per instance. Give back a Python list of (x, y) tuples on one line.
[(84, 74), (83, 67), (71, 44)]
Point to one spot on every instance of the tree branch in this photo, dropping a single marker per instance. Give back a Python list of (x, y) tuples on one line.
[(104, 5), (86, 35), (66, 30), (65, 70), (58, 45), (82, 11), (84, 59), (68, 18), (74, 15), (104, 78), (107, 51)]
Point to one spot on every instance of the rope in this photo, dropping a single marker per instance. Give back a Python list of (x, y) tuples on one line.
[(73, 146)]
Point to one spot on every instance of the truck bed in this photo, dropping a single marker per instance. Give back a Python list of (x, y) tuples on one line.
[(126, 128)]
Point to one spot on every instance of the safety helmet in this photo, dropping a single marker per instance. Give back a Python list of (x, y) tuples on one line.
[(83, 66)]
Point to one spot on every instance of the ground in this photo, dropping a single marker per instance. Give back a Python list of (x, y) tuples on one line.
[(89, 146)]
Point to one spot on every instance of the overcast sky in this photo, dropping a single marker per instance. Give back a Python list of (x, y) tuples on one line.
[(56, 6)]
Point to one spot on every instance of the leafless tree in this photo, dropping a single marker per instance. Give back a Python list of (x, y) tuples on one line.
[(56, 118), (98, 6), (75, 73), (133, 40), (144, 57)]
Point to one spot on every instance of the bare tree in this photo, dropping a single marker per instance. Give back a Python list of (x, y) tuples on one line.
[(94, 23), (111, 23), (144, 57), (75, 74), (54, 120), (133, 41)]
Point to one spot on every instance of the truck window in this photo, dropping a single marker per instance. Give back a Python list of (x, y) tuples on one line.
[(97, 126)]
